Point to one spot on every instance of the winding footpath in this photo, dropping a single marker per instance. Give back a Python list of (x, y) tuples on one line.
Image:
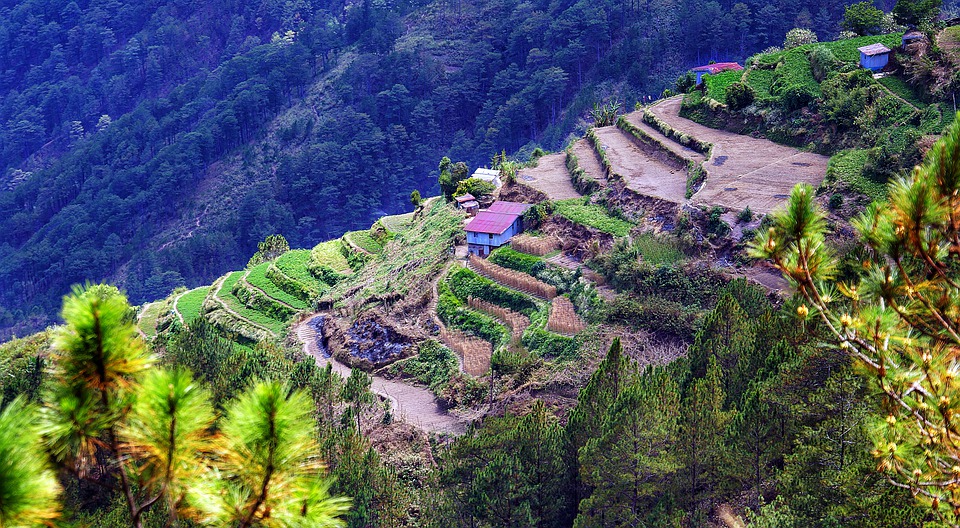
[(414, 405)]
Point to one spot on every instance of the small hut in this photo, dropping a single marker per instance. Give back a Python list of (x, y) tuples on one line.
[(874, 57), (468, 203), (491, 176)]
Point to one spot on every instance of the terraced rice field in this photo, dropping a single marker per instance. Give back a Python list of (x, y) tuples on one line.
[(397, 223), (148, 319), (257, 278), (190, 303), (642, 173), (587, 159), (744, 171), (327, 254), (241, 309), (550, 177), (592, 215), (294, 263), (364, 241)]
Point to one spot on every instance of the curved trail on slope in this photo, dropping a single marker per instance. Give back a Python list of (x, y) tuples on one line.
[(413, 405)]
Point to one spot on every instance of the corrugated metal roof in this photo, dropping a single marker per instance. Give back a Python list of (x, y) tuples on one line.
[(718, 67), (873, 49), (491, 222), (486, 174), (513, 208), (465, 198)]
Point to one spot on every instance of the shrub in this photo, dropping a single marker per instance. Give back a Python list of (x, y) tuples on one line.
[(686, 82), (715, 224), (508, 258), (822, 62), (836, 201), (798, 37), (739, 95), (474, 186), (745, 216), (795, 96)]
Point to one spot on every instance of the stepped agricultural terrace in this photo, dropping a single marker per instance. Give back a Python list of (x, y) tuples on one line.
[(653, 153)]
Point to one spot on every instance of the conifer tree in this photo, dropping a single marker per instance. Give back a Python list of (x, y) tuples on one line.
[(727, 335), (28, 487), (633, 455), (510, 472), (898, 319), (267, 470), (703, 422)]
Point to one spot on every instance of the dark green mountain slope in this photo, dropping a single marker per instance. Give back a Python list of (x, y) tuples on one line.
[(230, 122)]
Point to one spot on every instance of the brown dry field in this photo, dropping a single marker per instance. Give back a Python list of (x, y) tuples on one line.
[(550, 177), (744, 171), (636, 119), (588, 161), (641, 173)]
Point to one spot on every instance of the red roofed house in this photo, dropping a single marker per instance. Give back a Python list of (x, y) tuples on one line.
[(468, 203), (494, 227), (714, 69)]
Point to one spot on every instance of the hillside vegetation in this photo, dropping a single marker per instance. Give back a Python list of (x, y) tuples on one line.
[(816, 96), (136, 152)]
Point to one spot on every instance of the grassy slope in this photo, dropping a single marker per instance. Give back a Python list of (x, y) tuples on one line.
[(190, 303), (409, 261), (792, 66), (592, 215), (258, 277)]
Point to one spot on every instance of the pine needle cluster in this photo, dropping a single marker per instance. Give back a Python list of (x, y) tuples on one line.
[(900, 318)]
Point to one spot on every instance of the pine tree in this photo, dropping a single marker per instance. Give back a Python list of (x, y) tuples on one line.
[(510, 472), (703, 422), (268, 472), (726, 335), (633, 456), (28, 487), (898, 320)]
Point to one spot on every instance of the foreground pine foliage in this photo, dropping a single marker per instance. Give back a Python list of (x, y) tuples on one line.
[(899, 318), (114, 419)]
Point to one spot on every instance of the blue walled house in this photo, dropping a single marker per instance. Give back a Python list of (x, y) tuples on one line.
[(874, 57), (494, 227)]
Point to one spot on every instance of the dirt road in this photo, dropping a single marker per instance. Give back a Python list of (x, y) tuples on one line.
[(413, 405)]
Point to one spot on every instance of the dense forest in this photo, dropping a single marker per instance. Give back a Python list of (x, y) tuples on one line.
[(155, 143)]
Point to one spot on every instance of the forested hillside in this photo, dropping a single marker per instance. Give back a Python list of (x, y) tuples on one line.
[(155, 143)]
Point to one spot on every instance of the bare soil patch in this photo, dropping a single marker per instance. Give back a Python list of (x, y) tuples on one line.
[(640, 172), (588, 161), (550, 177), (744, 171), (636, 119)]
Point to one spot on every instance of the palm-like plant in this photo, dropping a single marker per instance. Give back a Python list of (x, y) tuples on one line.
[(28, 488), (900, 319), (267, 470)]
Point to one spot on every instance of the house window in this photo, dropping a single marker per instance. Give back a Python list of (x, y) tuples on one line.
[(490, 238)]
